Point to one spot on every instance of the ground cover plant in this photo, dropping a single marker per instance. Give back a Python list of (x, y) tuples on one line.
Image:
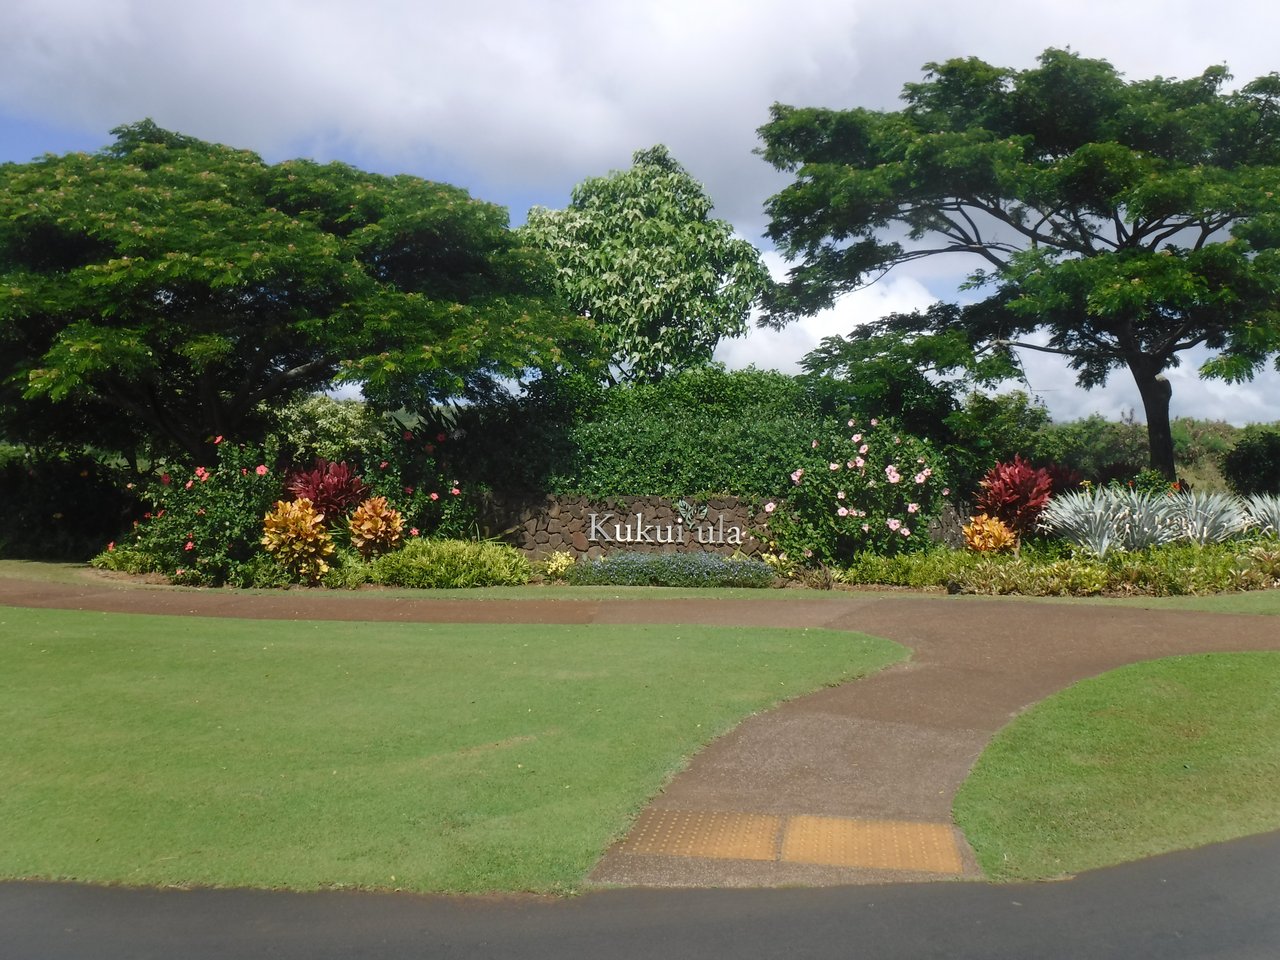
[(451, 758), (1048, 570), (1153, 757), (670, 570)]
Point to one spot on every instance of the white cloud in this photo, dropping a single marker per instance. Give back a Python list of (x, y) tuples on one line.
[(783, 349)]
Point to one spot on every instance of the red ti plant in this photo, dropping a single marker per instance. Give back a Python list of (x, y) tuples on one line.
[(333, 489), (1015, 493)]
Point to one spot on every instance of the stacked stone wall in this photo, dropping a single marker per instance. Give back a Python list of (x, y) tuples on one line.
[(595, 528)]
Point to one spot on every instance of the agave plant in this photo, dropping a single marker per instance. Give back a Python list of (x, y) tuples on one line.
[(1084, 518), (1144, 519), (1264, 511), (1104, 519), (1209, 517)]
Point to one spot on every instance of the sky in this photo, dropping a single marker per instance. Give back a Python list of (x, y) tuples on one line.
[(518, 100)]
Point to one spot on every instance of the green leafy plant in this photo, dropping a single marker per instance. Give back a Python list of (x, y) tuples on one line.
[(442, 564), (1148, 481), (347, 570), (1263, 560), (705, 430), (294, 534)]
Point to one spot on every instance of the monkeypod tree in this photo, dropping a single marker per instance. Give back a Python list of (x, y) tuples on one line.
[(638, 252), (164, 291), (1124, 222)]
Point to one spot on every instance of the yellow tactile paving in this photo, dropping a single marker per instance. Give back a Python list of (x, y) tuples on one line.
[(723, 836), (871, 844)]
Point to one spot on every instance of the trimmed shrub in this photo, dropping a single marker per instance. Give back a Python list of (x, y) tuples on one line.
[(1169, 570), (671, 570), (443, 564), (934, 567), (1253, 465), (347, 570), (703, 431)]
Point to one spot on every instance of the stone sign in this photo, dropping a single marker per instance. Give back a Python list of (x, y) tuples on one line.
[(589, 528)]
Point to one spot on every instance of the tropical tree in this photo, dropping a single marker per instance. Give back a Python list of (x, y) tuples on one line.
[(638, 252), (165, 291), (1125, 222)]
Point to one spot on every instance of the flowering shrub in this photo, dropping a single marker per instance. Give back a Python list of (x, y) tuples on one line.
[(1015, 493), (202, 526), (294, 534), (868, 487), (407, 466), (557, 563)]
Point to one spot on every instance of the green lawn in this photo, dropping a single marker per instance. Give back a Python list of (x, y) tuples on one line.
[(159, 750), (1153, 757), (1263, 602)]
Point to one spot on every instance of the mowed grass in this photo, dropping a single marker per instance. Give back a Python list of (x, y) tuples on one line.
[(1157, 756), (454, 758)]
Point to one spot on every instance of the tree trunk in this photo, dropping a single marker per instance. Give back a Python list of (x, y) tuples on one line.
[(1155, 391)]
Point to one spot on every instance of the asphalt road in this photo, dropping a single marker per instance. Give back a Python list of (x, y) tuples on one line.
[(1217, 902)]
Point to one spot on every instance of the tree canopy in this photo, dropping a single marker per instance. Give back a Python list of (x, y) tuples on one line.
[(1124, 221), (164, 289), (638, 252)]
